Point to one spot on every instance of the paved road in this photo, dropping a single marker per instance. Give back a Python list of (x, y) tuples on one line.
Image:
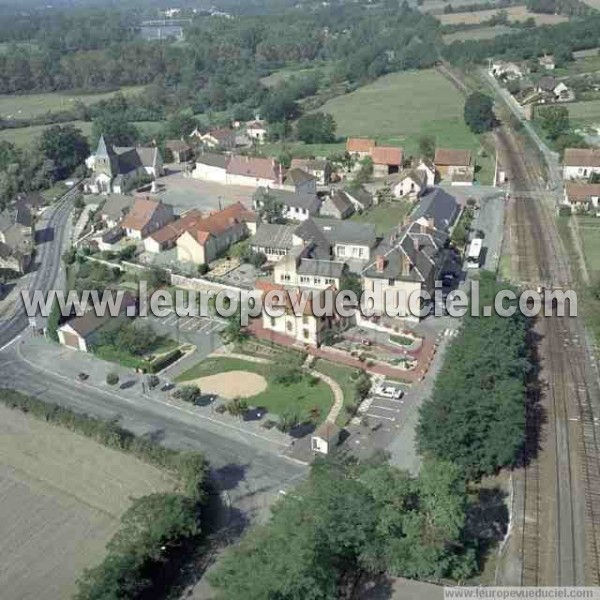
[(53, 231)]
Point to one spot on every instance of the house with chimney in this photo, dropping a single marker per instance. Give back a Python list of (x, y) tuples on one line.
[(256, 131), (408, 184), (359, 148), (319, 168), (203, 240), (297, 180), (456, 166), (117, 169), (581, 163), (582, 197), (222, 138), (146, 216), (166, 237), (293, 205)]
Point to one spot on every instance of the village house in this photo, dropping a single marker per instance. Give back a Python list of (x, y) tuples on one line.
[(547, 62), (337, 205), (274, 240), (386, 160), (145, 217), (440, 207), (582, 197), (359, 147), (81, 333), (303, 267), (407, 261), (320, 169), (114, 209), (179, 151), (580, 163), (360, 198), (302, 326), (506, 70), (426, 167), (455, 166), (297, 180), (408, 184), (205, 239), (166, 237), (239, 170), (116, 169), (211, 167), (16, 237), (551, 90), (295, 206), (257, 131), (223, 139)]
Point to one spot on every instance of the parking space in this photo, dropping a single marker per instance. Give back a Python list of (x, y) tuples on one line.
[(388, 402), (197, 325)]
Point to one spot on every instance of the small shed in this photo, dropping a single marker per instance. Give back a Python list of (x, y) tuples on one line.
[(325, 438)]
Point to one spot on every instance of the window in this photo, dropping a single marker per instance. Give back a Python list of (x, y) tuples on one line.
[(391, 282), (306, 334), (285, 277), (329, 280), (361, 252), (272, 321), (289, 326), (317, 280), (341, 250), (305, 319), (304, 279)]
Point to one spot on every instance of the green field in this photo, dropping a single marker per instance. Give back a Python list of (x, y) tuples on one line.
[(278, 399), (479, 33), (585, 113), (589, 229), (285, 74), (26, 106), (385, 215), (588, 64), (401, 107), (25, 136), (342, 375)]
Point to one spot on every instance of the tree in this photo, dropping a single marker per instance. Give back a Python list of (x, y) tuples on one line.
[(117, 131), (479, 113), (190, 393), (54, 320), (180, 125), (66, 146), (234, 333), (112, 378), (427, 146), (316, 128), (364, 173), (270, 209), (554, 120)]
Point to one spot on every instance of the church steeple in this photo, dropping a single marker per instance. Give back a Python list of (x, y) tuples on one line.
[(104, 157)]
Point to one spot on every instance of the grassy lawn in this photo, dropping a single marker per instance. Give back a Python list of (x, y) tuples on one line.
[(24, 106), (277, 398), (385, 215), (514, 13), (400, 108), (589, 228), (342, 375), (302, 150), (587, 64), (298, 70), (25, 136), (56, 191), (585, 113)]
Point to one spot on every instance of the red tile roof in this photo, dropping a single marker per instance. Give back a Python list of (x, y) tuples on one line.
[(140, 214), (260, 168), (359, 145), (582, 157), (220, 221), (221, 134), (581, 192), (446, 157), (170, 232), (387, 155)]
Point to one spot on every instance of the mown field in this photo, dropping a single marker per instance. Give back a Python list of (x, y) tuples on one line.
[(585, 113), (589, 230), (25, 136), (515, 13), (62, 497), (480, 33), (26, 106)]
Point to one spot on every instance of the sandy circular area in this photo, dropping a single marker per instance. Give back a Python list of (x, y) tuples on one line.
[(232, 384)]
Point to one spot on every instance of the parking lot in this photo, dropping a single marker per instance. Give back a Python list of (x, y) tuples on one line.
[(389, 410), (196, 325)]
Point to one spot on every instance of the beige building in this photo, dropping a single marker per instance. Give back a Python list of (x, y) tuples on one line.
[(145, 217), (302, 267), (456, 166)]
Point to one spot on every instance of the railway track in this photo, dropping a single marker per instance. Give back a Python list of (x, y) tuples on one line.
[(561, 472)]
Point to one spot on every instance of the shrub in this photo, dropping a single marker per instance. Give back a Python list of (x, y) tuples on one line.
[(153, 381), (112, 378), (190, 393)]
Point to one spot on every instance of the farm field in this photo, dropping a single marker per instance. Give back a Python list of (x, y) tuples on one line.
[(285, 74), (400, 108), (515, 13), (62, 497), (299, 397), (585, 64), (480, 33), (26, 106)]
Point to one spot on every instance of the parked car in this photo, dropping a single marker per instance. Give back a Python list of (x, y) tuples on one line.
[(389, 392), (82, 376)]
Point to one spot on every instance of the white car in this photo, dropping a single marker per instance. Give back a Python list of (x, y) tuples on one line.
[(389, 392)]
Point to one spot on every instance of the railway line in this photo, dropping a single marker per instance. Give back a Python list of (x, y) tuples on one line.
[(560, 528)]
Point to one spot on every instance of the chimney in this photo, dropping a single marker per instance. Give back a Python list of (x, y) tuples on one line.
[(417, 244), (380, 263), (430, 222), (406, 266)]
